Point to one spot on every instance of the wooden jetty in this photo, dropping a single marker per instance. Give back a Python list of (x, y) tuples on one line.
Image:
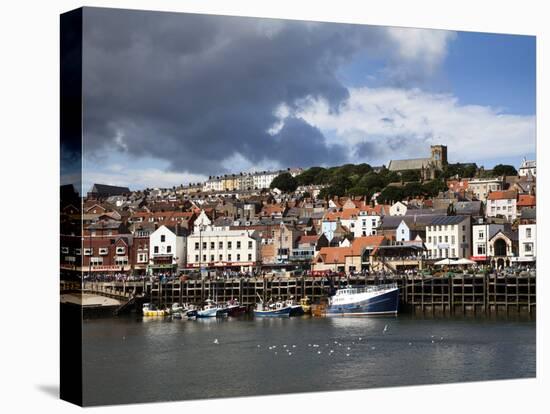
[(447, 294)]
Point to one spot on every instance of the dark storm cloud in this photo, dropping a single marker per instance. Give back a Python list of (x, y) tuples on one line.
[(194, 89)]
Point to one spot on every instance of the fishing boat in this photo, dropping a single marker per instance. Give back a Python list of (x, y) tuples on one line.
[(212, 310), (295, 308), (371, 300), (276, 309), (234, 308), (150, 309)]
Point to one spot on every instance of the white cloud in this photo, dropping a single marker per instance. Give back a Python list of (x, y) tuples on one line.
[(426, 47), (398, 123)]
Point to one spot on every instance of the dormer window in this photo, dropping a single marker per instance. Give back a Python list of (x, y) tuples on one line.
[(120, 250)]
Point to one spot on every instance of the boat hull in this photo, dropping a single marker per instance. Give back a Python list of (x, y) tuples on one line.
[(234, 311), (386, 303), (296, 310), (212, 313), (284, 312)]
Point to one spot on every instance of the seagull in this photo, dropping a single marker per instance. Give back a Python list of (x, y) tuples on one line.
[(360, 338), (284, 346), (293, 346), (347, 354), (290, 353), (433, 342), (318, 352), (216, 341), (410, 343), (385, 329), (373, 348), (349, 348), (258, 346)]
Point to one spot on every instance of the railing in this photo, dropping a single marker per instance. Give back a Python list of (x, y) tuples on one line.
[(367, 289)]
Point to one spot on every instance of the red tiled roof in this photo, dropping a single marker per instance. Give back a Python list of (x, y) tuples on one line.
[(526, 200), (502, 195), (334, 254), (360, 243)]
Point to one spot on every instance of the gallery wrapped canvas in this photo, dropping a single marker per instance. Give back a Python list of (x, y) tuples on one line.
[(255, 206)]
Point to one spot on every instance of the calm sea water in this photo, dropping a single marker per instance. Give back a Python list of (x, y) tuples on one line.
[(129, 359)]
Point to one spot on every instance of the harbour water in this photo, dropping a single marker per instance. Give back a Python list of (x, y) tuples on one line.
[(130, 359)]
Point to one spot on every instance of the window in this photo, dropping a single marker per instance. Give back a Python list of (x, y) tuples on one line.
[(229, 246), (168, 249), (238, 257), (120, 250), (429, 239), (212, 245), (229, 257), (402, 231), (196, 245), (211, 257), (196, 258), (88, 251), (481, 250), (204, 258), (250, 244), (162, 238), (156, 249), (446, 239), (453, 239), (453, 253), (528, 233), (142, 257), (204, 245), (440, 239), (463, 238), (65, 250), (221, 257), (480, 235), (463, 228), (121, 261), (238, 245), (249, 257), (528, 248), (103, 251), (97, 261)]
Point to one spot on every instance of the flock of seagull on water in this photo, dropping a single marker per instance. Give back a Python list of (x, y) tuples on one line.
[(288, 348)]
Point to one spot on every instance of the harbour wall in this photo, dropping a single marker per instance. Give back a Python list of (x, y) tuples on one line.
[(453, 294)]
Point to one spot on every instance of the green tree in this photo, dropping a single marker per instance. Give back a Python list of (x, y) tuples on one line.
[(391, 195), (284, 182), (432, 188), (410, 175), (503, 169), (413, 189)]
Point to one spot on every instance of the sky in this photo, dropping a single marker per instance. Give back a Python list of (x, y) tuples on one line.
[(172, 98)]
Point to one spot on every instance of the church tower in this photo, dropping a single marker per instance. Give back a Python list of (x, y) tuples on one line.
[(439, 155)]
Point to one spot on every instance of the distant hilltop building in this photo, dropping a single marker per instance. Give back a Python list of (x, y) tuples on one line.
[(105, 191), (427, 166), (527, 168), (245, 181)]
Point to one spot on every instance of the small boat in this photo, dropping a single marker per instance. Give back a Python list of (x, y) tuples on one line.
[(235, 309), (176, 308), (212, 310), (149, 309), (371, 300), (306, 304), (277, 309), (295, 308)]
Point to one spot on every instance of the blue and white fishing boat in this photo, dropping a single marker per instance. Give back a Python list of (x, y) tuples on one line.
[(277, 309), (371, 300), (211, 310)]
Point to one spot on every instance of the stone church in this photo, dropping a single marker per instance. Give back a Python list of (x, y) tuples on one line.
[(427, 166)]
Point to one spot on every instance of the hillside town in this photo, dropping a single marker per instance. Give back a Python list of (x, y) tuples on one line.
[(355, 219)]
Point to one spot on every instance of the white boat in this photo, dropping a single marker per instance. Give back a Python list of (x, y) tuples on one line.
[(211, 310)]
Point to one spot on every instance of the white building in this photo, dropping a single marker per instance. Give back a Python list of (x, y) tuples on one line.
[(167, 248), (481, 234), (527, 168), (263, 179), (527, 237), (365, 224), (502, 203), (222, 248), (449, 237), (398, 209), (481, 187)]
